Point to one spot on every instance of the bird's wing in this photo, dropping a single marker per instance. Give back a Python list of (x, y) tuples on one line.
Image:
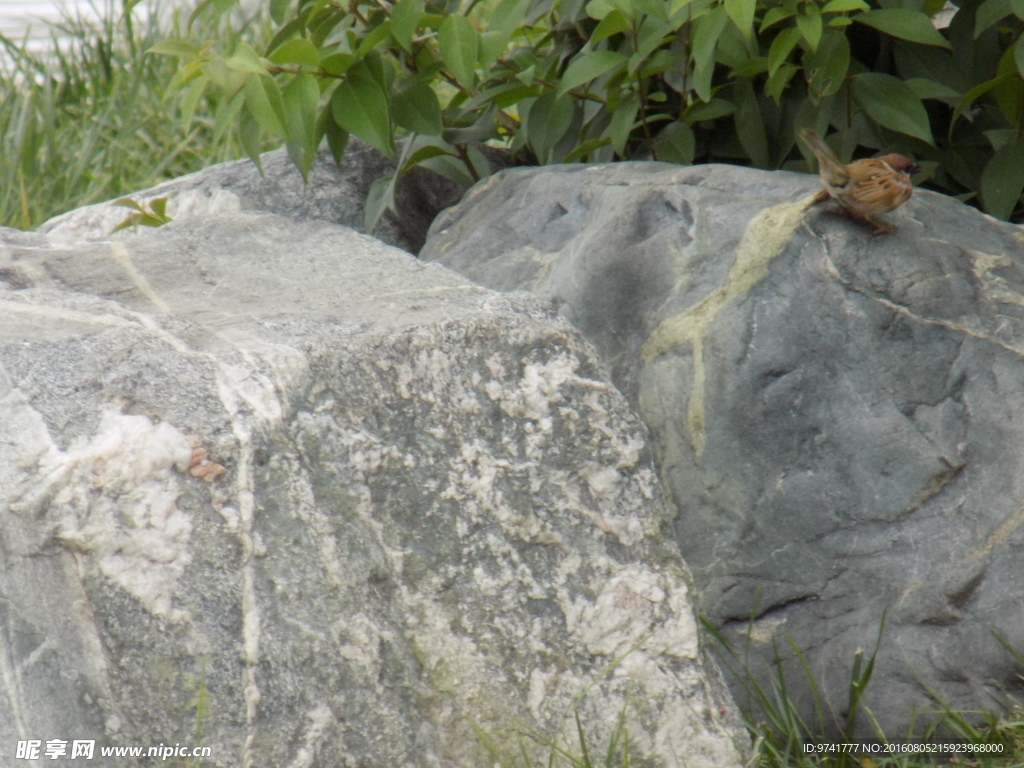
[(882, 190)]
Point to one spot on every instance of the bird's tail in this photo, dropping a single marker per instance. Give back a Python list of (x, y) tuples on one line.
[(829, 166)]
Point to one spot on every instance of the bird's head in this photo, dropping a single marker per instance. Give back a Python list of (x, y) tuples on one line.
[(901, 164)]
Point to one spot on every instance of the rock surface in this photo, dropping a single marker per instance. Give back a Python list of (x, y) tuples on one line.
[(328, 504), (333, 194), (839, 417)]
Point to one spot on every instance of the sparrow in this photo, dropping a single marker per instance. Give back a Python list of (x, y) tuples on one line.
[(864, 188)]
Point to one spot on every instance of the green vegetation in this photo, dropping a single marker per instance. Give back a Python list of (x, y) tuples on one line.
[(91, 122), (678, 80), (779, 730)]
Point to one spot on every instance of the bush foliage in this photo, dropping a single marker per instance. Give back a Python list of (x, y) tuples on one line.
[(84, 118), (685, 81)]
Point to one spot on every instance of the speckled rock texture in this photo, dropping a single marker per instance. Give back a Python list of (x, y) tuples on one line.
[(332, 193), (330, 506), (839, 417)]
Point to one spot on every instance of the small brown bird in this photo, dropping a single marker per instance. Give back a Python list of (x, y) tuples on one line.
[(864, 188)]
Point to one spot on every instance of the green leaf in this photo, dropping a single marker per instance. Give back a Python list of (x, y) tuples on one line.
[(782, 46), (675, 144), (929, 89), (665, 60), (285, 33), (263, 100), (337, 137), (374, 38), (892, 104), (360, 106), (405, 18), (675, 8), (1002, 181), (130, 203), (181, 49), (585, 149), (1018, 55), (612, 24), (653, 33), (195, 91), (424, 153), (750, 125), (703, 74), (777, 83), (598, 9), (621, 125), (656, 8), (337, 63), (775, 15), (249, 134), (416, 108), (546, 122), (492, 45), (904, 23), (975, 93), (298, 50), (379, 197), (1000, 137), (827, 67), (159, 208), (225, 114), (841, 6), (1009, 94), (196, 12), (711, 110), (742, 14), (459, 46), (508, 15), (245, 59), (279, 10), (1018, 8), (589, 66), (989, 13), (227, 80), (708, 29), (809, 25), (301, 97)]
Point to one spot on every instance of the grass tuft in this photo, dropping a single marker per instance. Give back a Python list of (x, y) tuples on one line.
[(85, 119)]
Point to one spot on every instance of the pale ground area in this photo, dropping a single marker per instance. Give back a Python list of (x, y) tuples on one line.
[(17, 16)]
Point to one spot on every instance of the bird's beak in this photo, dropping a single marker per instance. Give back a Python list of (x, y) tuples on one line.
[(915, 168)]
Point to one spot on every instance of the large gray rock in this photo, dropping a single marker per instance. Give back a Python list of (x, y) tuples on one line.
[(839, 416), (332, 193), (363, 511)]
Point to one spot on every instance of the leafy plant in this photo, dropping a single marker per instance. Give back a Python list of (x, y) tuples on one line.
[(678, 80), (154, 216), (86, 118)]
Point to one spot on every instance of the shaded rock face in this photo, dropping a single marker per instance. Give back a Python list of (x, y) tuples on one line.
[(334, 194), (839, 417), (360, 508)]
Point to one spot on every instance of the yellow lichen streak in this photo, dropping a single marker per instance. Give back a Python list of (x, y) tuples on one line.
[(765, 237), (121, 255)]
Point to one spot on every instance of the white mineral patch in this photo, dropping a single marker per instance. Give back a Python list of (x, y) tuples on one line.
[(118, 495), (637, 610), (321, 722)]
